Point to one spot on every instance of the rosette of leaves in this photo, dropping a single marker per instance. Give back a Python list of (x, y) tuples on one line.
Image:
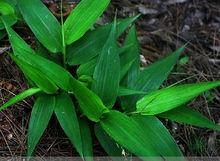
[(109, 92)]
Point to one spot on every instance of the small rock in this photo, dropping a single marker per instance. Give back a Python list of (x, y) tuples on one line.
[(170, 2), (146, 11), (215, 48)]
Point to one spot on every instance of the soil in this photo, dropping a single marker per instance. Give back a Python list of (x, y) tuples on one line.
[(164, 26)]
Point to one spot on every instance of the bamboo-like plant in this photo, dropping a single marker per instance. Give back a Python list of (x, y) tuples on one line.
[(121, 102)]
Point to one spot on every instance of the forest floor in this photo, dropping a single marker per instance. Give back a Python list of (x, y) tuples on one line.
[(164, 26)]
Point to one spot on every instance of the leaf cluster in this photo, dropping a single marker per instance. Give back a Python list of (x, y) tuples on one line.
[(109, 92)]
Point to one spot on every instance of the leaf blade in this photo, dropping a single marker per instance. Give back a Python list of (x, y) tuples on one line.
[(65, 113), (127, 92), (166, 99), (189, 116), (131, 56), (127, 133), (36, 76), (90, 104), (151, 78), (40, 117), (20, 97), (7, 11), (82, 18), (107, 71), (161, 139), (108, 144), (90, 45), (86, 139), (43, 24)]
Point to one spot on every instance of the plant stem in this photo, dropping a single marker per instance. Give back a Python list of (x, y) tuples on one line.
[(63, 36)]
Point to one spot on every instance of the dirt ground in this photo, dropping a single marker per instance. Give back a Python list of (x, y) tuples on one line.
[(164, 26)]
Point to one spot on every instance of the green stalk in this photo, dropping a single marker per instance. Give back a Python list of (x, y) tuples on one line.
[(63, 36)]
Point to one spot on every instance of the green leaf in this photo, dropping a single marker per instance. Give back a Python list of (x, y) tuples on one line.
[(11, 2), (91, 105), (87, 68), (132, 55), (7, 11), (19, 46), (82, 18), (108, 144), (40, 117), (86, 139), (130, 65), (151, 78), (189, 116), (91, 44), (43, 24), (125, 131), (66, 115), (53, 71), (127, 92), (168, 98), (36, 76), (107, 71), (125, 68), (20, 97), (160, 138), (5, 8)]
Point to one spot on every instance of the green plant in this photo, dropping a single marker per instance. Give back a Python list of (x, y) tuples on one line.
[(108, 80), (7, 10)]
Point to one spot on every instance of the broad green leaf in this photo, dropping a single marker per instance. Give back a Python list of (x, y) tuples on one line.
[(160, 138), (7, 11), (82, 18), (87, 68), (53, 71), (43, 24), (66, 115), (11, 2), (91, 44), (125, 131), (36, 76), (86, 139), (91, 105), (108, 144), (86, 79), (5, 8), (20, 97), (10, 19), (40, 117), (151, 78), (168, 98), (189, 116), (127, 92), (18, 44), (130, 65), (107, 71), (3, 33), (131, 56), (125, 68)]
